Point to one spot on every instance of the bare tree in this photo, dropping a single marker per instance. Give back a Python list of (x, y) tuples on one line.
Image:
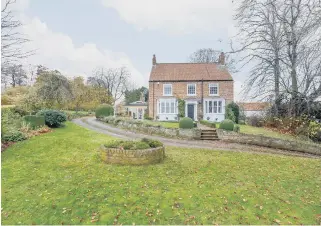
[(12, 40), (261, 40), (301, 21), (114, 80), (281, 39), (15, 76), (208, 55)]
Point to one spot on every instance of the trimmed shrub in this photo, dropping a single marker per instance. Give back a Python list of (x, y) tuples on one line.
[(13, 136), (236, 128), (227, 124), (207, 123), (53, 118), (104, 111), (186, 123), (35, 121)]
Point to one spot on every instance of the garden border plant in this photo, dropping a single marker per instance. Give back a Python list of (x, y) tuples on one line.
[(53, 118)]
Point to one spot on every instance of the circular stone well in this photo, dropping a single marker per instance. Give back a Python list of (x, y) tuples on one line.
[(132, 157)]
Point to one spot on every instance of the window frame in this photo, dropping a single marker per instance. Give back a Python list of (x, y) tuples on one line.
[(214, 106), (170, 106), (164, 85), (210, 85), (188, 89)]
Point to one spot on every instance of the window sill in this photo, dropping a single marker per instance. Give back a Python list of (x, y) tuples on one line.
[(191, 95), (215, 113), (167, 113), (214, 95)]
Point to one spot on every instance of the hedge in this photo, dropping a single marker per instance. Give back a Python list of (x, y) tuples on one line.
[(35, 121)]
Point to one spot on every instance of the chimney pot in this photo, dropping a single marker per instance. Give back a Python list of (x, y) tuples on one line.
[(154, 60), (221, 59)]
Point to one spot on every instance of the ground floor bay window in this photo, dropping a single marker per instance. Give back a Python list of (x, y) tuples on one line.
[(167, 109), (214, 109)]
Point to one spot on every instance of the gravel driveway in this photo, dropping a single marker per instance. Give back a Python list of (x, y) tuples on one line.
[(92, 124)]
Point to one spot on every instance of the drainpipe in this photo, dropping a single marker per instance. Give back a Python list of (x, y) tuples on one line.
[(202, 98), (153, 100)]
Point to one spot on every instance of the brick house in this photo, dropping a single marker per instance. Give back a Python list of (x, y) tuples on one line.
[(205, 87)]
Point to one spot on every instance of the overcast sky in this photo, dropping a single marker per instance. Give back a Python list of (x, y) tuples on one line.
[(76, 36)]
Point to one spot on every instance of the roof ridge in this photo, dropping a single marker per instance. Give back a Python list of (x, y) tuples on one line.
[(189, 63)]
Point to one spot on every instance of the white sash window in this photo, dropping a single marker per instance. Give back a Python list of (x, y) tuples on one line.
[(167, 106), (213, 106)]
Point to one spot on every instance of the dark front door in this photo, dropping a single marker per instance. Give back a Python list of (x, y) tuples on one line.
[(190, 111)]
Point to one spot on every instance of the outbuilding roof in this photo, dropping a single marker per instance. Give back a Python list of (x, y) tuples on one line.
[(137, 103), (254, 106)]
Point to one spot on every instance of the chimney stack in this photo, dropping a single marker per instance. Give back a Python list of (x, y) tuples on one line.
[(221, 59), (154, 60)]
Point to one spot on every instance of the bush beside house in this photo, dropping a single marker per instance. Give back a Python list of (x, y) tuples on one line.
[(186, 123), (227, 124), (104, 111)]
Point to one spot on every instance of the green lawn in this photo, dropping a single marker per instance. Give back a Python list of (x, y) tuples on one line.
[(264, 131), (57, 178), (163, 124)]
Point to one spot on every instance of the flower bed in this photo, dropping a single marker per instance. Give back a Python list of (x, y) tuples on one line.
[(133, 152)]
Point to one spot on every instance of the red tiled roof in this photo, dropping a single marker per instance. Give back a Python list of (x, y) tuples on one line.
[(254, 106), (189, 72)]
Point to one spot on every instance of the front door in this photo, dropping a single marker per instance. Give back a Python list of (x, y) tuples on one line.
[(190, 111)]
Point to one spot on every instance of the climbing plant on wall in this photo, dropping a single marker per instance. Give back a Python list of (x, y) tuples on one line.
[(181, 108)]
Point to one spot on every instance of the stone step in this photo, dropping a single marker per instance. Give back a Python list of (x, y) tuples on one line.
[(208, 130), (212, 132), (209, 136)]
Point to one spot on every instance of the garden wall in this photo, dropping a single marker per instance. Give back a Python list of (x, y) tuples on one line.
[(135, 125), (269, 142), (132, 157)]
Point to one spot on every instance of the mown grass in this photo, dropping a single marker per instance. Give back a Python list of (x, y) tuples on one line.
[(264, 131), (163, 124), (57, 178)]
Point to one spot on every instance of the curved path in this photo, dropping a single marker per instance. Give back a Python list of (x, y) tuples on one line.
[(92, 124)]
